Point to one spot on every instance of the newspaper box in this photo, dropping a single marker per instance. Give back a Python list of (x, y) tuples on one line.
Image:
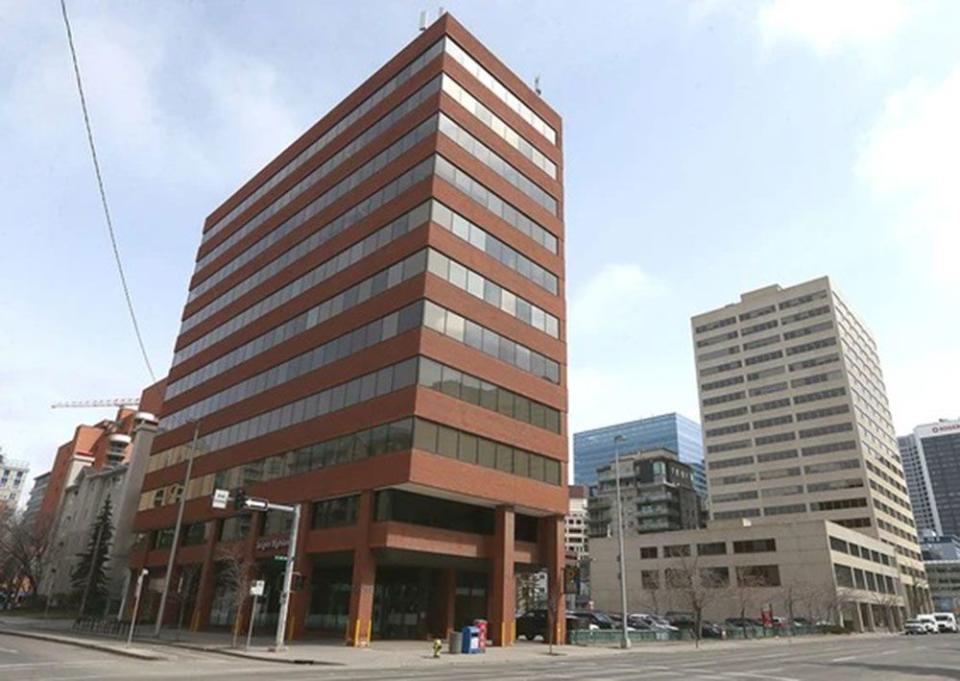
[(471, 641), (481, 626)]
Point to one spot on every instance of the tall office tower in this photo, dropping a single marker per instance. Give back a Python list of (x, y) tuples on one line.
[(796, 420), (938, 450), (595, 448), (916, 485), (374, 330)]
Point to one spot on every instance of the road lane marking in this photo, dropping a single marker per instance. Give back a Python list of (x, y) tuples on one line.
[(11, 651)]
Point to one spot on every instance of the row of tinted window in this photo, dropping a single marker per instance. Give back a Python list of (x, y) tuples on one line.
[(492, 246), (473, 449), (499, 127), (497, 164), (348, 218), (492, 293), (347, 184), (349, 256), (463, 386), (489, 342), (334, 350), (355, 295), (345, 299), (375, 98), (495, 204)]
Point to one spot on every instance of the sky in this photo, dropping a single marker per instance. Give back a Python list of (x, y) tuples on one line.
[(711, 147)]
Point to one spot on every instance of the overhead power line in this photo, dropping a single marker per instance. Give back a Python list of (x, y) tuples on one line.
[(103, 194)]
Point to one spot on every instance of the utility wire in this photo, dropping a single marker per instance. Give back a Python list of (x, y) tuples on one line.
[(103, 194)]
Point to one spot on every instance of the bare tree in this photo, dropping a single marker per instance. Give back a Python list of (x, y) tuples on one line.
[(696, 588), (23, 549), (236, 575)]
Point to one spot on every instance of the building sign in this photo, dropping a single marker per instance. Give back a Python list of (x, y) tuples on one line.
[(272, 543)]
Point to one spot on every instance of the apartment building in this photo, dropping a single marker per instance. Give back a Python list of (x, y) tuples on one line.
[(656, 491), (796, 419), (375, 330), (575, 533), (13, 476)]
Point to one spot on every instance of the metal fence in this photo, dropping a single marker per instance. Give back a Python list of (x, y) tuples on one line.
[(104, 627), (588, 637)]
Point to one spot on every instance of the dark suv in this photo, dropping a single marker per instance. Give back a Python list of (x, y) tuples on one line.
[(533, 623)]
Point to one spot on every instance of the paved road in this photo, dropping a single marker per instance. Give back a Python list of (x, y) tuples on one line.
[(931, 658)]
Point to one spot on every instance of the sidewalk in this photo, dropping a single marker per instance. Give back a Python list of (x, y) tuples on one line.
[(381, 654)]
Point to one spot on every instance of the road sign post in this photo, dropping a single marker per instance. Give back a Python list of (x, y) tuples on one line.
[(136, 605), (256, 591), (287, 581)]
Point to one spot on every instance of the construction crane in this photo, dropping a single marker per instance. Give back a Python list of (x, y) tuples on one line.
[(83, 404)]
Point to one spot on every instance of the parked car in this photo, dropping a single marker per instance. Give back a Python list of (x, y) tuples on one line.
[(946, 622), (915, 628), (742, 622), (599, 619), (653, 622), (930, 622), (686, 622), (533, 623)]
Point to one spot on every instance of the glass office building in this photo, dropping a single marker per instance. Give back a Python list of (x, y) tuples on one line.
[(595, 448)]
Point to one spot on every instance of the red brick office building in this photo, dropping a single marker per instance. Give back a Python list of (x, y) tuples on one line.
[(375, 329)]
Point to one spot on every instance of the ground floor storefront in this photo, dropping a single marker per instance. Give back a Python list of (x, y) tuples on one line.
[(391, 566)]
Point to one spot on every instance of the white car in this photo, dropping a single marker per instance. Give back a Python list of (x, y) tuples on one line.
[(915, 628), (946, 622), (930, 623)]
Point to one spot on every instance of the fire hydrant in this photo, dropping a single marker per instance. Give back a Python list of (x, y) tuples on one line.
[(437, 647)]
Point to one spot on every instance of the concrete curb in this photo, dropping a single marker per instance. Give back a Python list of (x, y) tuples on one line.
[(84, 643), (250, 656)]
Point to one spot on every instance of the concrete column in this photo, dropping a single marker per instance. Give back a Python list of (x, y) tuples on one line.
[(857, 617), (300, 600), (503, 598), (200, 617), (364, 577), (554, 555), (448, 600), (868, 620)]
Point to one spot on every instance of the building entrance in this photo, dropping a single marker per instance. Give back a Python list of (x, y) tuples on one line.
[(404, 601)]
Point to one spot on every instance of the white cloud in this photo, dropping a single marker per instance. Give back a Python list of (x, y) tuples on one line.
[(828, 26), (910, 160), (610, 299), (154, 130), (616, 339)]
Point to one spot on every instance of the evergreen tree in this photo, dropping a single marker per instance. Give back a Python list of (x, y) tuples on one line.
[(91, 590)]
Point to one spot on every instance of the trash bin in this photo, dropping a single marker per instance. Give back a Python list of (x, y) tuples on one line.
[(455, 642), (471, 641)]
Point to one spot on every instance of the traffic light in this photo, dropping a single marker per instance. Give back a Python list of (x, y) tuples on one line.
[(240, 499), (296, 584)]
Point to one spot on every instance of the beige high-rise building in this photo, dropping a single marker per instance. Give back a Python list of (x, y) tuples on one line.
[(796, 420)]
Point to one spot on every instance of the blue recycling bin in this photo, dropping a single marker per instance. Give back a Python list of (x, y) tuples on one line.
[(471, 641)]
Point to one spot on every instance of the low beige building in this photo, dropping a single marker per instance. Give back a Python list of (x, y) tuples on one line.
[(814, 569)]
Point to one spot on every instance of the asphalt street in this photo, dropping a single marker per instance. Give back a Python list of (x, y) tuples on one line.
[(929, 658)]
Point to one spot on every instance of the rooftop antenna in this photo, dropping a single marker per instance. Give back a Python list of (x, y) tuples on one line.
[(423, 20), (536, 84)]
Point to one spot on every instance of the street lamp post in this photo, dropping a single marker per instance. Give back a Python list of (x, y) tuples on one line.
[(624, 637), (176, 529)]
